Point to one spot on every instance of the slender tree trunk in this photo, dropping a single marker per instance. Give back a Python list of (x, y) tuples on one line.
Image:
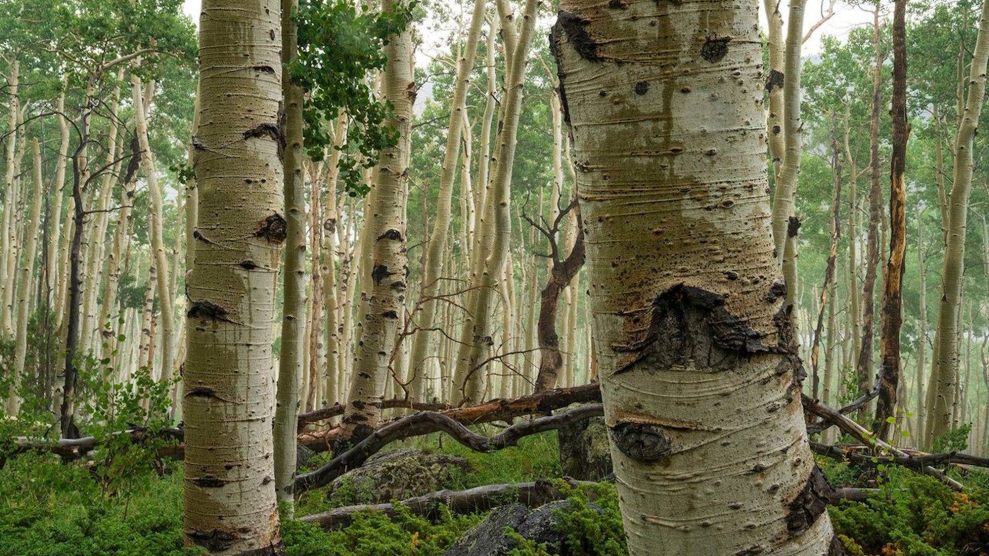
[(328, 252), (157, 241), (55, 214), (436, 247), (497, 231), (9, 239), (385, 275), (681, 291), (892, 312), (921, 406), (27, 267), (228, 390), (864, 363), (291, 359), (946, 363)]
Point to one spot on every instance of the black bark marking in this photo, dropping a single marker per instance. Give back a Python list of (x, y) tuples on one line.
[(792, 226), (207, 310), (274, 229), (715, 48), (617, 5), (836, 548), (753, 550), (248, 265), (641, 88), (202, 392), (809, 504), (641, 442), (390, 315), (134, 164), (577, 35), (209, 481), (269, 130), (774, 80), (264, 69), (330, 225), (379, 273), (391, 234), (776, 291), (685, 324), (216, 540), (358, 404)]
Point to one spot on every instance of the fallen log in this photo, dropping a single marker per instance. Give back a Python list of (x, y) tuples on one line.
[(494, 410), (429, 422), (74, 448), (913, 459), (477, 499)]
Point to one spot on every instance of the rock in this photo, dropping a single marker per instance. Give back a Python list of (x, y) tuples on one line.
[(488, 538), (398, 475), (584, 451)]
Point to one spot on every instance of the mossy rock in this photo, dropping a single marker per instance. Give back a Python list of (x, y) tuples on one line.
[(398, 475), (584, 451)]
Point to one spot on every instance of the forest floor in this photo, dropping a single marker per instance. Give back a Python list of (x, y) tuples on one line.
[(132, 504)]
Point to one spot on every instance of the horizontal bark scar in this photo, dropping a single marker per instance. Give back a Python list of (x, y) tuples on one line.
[(641, 441), (715, 48), (207, 310), (209, 481), (216, 540), (812, 501), (685, 324)]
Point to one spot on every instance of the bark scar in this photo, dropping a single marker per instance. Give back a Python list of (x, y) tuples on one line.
[(809, 504), (641, 441)]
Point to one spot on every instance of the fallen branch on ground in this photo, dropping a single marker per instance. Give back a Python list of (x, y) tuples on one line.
[(494, 410), (912, 459), (478, 499), (868, 438), (429, 422), (74, 448), (821, 426)]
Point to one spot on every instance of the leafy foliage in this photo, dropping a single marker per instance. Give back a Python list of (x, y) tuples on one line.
[(339, 46)]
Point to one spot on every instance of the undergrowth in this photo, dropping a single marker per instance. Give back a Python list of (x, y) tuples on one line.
[(51, 508)]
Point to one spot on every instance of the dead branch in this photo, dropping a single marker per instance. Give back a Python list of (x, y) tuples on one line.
[(429, 422), (477, 499)]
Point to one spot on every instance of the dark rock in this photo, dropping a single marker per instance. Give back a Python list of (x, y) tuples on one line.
[(398, 475), (489, 538), (584, 451)]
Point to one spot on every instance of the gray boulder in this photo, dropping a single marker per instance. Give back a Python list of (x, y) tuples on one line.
[(489, 537), (584, 451)]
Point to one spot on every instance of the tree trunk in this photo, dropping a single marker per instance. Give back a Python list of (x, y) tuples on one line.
[(290, 362), (921, 406), (230, 504), (436, 247), (864, 363), (9, 231), (892, 311), (946, 364), (697, 359), (496, 233), (27, 268), (384, 275)]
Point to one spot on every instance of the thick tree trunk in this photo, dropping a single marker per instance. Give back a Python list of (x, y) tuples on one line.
[(290, 362), (230, 504), (384, 275), (892, 311), (698, 362), (942, 396)]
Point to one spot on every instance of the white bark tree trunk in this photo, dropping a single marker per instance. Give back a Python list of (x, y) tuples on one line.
[(697, 361), (228, 385)]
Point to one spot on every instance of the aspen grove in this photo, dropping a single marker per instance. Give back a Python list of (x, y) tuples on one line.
[(494, 277)]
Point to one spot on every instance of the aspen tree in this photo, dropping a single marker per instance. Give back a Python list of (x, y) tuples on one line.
[(941, 397), (384, 271), (9, 238), (27, 268), (496, 232), (230, 504), (55, 214), (697, 358), (157, 241), (331, 223), (291, 359)]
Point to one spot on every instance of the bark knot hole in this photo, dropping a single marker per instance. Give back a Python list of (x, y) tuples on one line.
[(273, 229), (715, 48)]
